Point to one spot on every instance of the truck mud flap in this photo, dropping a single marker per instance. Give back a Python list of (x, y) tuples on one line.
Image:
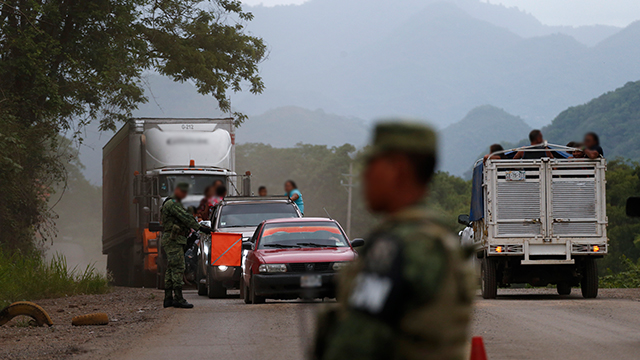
[(226, 249)]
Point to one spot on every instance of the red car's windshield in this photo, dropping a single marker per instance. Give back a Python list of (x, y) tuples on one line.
[(302, 234)]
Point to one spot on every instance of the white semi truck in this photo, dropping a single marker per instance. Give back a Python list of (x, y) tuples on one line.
[(538, 221), (141, 165)]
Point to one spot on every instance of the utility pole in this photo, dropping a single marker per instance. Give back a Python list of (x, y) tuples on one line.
[(350, 185)]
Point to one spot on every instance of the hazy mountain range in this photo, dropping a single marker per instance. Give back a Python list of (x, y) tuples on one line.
[(429, 59), (463, 142), (288, 126), (433, 60)]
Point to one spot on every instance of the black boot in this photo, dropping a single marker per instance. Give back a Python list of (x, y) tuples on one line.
[(179, 301), (168, 298)]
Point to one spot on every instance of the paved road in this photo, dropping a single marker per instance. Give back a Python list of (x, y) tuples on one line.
[(538, 324), (520, 324), (229, 329)]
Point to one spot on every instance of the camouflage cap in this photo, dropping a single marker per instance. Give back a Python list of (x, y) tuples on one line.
[(402, 136), (183, 186)]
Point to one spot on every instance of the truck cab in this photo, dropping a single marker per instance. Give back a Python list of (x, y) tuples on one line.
[(538, 221), (241, 216), (142, 163)]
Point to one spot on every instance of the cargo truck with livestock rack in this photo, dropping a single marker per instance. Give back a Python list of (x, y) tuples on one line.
[(539, 221)]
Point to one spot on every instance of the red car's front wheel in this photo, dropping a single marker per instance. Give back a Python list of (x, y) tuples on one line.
[(255, 299)]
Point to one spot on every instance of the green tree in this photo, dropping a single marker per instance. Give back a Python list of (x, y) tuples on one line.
[(450, 196), (623, 181), (66, 63), (613, 115), (318, 169)]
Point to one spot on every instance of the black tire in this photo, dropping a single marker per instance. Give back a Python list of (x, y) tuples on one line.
[(202, 288), (161, 262), (563, 288), (255, 299), (589, 283), (215, 289), (149, 279), (488, 278), (135, 267), (245, 292)]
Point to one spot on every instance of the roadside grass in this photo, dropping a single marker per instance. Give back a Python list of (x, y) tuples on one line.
[(30, 277), (629, 278)]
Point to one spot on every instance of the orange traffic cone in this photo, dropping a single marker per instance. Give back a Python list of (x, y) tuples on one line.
[(477, 349)]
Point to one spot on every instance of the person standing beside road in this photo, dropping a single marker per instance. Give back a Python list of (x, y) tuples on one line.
[(409, 294), (292, 192), (176, 223)]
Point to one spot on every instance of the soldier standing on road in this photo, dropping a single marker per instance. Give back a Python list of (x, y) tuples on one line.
[(409, 294), (177, 223)]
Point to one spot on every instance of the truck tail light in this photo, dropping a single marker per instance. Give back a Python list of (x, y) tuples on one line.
[(506, 249), (596, 248)]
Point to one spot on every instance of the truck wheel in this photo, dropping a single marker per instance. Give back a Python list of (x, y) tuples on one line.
[(564, 288), (150, 279), (488, 278), (202, 288), (589, 283), (161, 262), (255, 299), (215, 289), (114, 268), (244, 292)]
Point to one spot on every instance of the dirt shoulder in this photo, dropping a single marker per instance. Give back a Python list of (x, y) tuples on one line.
[(132, 312)]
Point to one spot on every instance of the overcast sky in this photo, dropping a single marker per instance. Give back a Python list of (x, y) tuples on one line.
[(552, 12)]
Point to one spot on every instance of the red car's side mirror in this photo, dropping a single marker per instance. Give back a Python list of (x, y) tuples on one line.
[(357, 243)]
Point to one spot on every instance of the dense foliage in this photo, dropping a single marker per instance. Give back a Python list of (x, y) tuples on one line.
[(623, 181), (64, 64), (318, 171), (615, 116), (628, 277)]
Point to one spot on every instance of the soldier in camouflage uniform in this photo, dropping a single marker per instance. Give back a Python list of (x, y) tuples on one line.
[(409, 294), (177, 224)]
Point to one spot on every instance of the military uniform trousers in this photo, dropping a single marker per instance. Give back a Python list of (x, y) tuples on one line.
[(175, 264)]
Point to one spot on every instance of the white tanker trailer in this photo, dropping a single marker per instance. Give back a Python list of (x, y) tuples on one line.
[(141, 165)]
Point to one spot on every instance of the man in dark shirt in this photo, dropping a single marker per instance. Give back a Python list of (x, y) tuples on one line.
[(536, 139), (592, 147)]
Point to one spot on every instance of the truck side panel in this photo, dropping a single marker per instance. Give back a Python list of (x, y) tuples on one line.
[(117, 177)]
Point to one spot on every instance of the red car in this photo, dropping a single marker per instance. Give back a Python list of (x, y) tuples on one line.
[(295, 258)]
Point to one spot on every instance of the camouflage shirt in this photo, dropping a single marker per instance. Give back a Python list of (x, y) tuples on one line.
[(176, 222), (408, 296)]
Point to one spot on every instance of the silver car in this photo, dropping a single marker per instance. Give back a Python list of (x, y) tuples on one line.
[(240, 215)]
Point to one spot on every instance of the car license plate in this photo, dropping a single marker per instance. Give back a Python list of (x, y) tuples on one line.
[(516, 175), (310, 281)]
